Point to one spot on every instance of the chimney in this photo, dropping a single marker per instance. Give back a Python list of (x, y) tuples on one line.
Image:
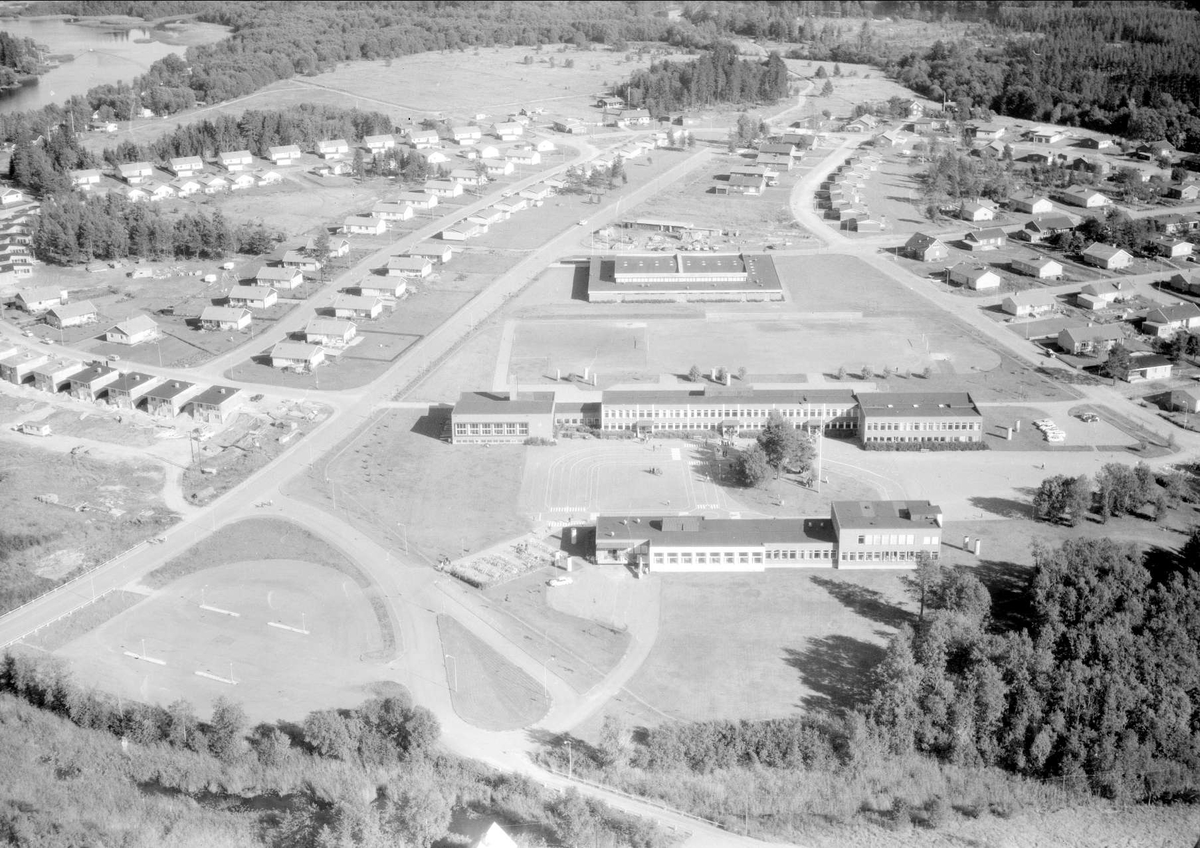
[(727, 376)]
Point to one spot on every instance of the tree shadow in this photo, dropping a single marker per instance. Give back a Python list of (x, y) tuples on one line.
[(1008, 584), (1003, 507), (838, 669), (868, 603)]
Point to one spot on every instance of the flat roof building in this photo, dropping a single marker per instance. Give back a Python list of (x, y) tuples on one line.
[(898, 417), (501, 417), (683, 277)]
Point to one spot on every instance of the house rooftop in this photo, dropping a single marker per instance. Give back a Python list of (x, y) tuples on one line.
[(485, 403), (885, 515), (215, 396), (169, 390)]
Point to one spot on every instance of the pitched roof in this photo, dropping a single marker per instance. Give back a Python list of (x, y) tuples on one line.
[(329, 326), (223, 313), (215, 396), (1171, 314), (986, 234), (1050, 222), (294, 350), (1140, 362), (136, 324), (1099, 250), (1094, 332)]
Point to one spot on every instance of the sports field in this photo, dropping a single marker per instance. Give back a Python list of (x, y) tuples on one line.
[(273, 666)]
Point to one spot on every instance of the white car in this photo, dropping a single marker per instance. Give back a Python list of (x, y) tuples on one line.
[(559, 581)]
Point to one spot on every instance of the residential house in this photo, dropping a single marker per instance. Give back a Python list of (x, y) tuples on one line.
[(409, 266), (1106, 256), (1165, 321), (385, 287), (377, 144), (861, 124), (1157, 150), (436, 253), (536, 194), (977, 211), (1047, 135), (1177, 223), (511, 205), (1185, 400), (418, 199), (468, 176), (462, 231), (632, 118), (41, 299), (264, 177), (333, 148), (466, 135), (1096, 143), (423, 139), (987, 132), (780, 161), (300, 261), (487, 217), (18, 367), (498, 167), (104, 126), (213, 183), (236, 161), (186, 166), (252, 297), (237, 182), (330, 332), (444, 188), (1088, 198), (1038, 267), (1100, 295), (1099, 167), (977, 279), (284, 154), (866, 225), (186, 186), (508, 130), (926, 248), (167, 399), (128, 390), (86, 179), (1032, 203), (1045, 227), (746, 184), (1148, 366), (357, 306), (133, 331), (215, 404), (1186, 191), (364, 225), (55, 375), (393, 210), (72, 315), (92, 382), (279, 278), (10, 196), (159, 191), (1187, 282), (524, 157), (1028, 304), (1094, 339), (338, 248), (225, 318), (297, 356), (1172, 248), (135, 173), (544, 145), (990, 238)]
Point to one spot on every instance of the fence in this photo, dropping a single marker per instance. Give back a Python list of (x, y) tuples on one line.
[(69, 612), (636, 798)]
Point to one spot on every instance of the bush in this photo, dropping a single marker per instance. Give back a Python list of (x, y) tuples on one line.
[(901, 447), (937, 812), (539, 441)]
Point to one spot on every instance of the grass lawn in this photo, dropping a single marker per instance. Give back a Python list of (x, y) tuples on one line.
[(768, 644), (82, 621), (485, 689), (580, 646), (396, 471), (49, 539)]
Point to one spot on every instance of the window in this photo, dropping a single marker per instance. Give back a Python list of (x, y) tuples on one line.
[(862, 540)]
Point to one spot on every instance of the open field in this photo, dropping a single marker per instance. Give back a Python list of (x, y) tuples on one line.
[(857, 84), (485, 689), (769, 644), (66, 630), (396, 471), (48, 537), (273, 667)]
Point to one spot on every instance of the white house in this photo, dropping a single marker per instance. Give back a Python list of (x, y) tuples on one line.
[(465, 135), (235, 161), (86, 179), (380, 143), (409, 266), (1100, 295), (977, 211), (364, 225), (333, 148), (1082, 196), (279, 277), (1032, 203), (1106, 256), (977, 279), (72, 315), (1165, 321), (135, 173), (330, 332), (225, 318), (39, 300), (423, 139), (1040, 267), (186, 166), (133, 331), (285, 154), (237, 182), (186, 186), (356, 306), (444, 188), (438, 254), (508, 130), (418, 199), (498, 167), (1029, 303), (297, 356), (253, 297), (300, 261), (393, 210)]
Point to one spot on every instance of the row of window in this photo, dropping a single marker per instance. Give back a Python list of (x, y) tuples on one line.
[(889, 539), (925, 425), (497, 429), (681, 279), (688, 425), (727, 412), (883, 556), (919, 439)]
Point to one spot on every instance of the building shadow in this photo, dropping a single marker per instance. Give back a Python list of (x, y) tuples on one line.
[(579, 283), (868, 603), (840, 671), (434, 424), (1003, 507)]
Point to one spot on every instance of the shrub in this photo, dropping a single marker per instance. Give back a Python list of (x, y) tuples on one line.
[(901, 447), (937, 812), (539, 441)]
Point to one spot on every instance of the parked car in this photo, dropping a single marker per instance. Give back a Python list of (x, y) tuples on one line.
[(559, 581)]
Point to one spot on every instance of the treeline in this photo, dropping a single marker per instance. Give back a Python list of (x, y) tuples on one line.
[(372, 777), (1123, 68), (73, 229), (18, 58), (275, 41), (718, 76), (257, 131), (1117, 489)]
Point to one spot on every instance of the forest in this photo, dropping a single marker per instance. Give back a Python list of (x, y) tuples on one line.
[(718, 76), (18, 59), (82, 768)]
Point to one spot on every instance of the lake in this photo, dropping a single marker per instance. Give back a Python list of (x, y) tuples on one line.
[(103, 55)]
